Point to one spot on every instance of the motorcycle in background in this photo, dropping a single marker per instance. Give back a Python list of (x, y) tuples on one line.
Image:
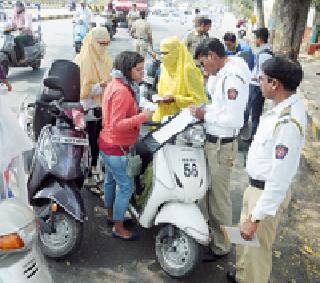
[(33, 52)]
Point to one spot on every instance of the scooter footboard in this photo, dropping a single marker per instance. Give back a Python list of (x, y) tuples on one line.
[(66, 196), (188, 218)]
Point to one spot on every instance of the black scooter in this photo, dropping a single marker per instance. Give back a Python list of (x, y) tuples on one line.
[(59, 167)]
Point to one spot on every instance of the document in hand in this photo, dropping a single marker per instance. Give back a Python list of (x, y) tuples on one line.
[(232, 233), (176, 125)]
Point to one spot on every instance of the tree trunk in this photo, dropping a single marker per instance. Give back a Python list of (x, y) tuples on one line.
[(288, 23), (260, 14)]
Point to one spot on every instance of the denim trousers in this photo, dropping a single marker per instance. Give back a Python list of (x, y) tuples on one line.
[(255, 106), (118, 186)]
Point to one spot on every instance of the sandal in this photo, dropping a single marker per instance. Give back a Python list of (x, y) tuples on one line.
[(133, 237)]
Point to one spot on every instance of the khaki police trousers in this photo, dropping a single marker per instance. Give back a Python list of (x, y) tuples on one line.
[(254, 264), (220, 160), (142, 47)]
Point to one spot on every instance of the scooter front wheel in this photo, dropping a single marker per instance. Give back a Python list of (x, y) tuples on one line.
[(177, 252), (65, 239)]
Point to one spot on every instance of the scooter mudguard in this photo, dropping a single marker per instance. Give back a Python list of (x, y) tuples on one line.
[(65, 195), (188, 218)]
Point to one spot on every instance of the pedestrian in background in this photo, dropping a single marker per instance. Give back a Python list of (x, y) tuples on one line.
[(95, 66), (181, 83), (229, 89), (142, 33), (198, 34), (120, 131), (256, 99), (235, 48), (3, 78), (273, 161)]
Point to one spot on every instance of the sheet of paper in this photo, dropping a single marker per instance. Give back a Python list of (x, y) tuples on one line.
[(176, 125), (232, 233)]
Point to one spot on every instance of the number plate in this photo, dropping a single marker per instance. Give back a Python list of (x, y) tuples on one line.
[(70, 140)]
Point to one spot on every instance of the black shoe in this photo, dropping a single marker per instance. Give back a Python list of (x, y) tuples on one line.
[(211, 256), (231, 275)]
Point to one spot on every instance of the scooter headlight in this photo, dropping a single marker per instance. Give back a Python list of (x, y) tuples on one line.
[(19, 240), (193, 136), (47, 150)]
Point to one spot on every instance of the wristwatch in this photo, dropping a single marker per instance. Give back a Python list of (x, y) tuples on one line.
[(253, 220)]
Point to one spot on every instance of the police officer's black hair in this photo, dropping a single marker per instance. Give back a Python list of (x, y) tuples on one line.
[(285, 70), (202, 21), (126, 61), (197, 10), (211, 44), (143, 14), (229, 36), (262, 33)]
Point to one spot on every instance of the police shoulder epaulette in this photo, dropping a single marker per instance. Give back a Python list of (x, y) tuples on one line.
[(285, 118), (231, 75)]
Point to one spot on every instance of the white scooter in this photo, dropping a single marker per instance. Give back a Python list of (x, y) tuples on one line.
[(179, 182), (20, 258)]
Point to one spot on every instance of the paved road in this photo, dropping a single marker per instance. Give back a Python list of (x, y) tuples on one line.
[(101, 258)]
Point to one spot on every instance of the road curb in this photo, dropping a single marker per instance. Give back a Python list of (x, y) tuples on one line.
[(53, 17)]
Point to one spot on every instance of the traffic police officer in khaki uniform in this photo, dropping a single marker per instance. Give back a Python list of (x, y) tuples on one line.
[(273, 160), (141, 32), (228, 86), (199, 34)]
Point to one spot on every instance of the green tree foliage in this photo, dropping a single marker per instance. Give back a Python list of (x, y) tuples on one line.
[(317, 4)]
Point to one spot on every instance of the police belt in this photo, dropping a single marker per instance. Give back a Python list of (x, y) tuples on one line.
[(215, 139), (257, 183)]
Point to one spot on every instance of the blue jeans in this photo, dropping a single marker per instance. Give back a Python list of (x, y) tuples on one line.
[(255, 106), (118, 186)]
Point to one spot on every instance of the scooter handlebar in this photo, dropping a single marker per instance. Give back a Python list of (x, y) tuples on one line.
[(55, 110), (152, 124)]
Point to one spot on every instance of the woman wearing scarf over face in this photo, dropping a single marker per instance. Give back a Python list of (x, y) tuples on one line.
[(95, 66), (120, 130), (181, 83)]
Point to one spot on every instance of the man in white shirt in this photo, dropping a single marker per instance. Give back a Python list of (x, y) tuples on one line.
[(142, 33), (273, 160), (256, 99), (228, 86)]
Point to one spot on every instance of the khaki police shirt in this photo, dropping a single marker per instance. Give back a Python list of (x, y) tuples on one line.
[(193, 40), (141, 29)]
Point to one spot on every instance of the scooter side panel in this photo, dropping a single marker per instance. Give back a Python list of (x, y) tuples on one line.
[(188, 168), (187, 217), (66, 196), (25, 267)]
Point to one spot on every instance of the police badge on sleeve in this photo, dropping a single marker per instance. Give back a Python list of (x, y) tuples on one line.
[(281, 151)]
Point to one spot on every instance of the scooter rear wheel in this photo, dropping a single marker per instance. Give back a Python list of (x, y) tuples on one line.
[(177, 252), (66, 239)]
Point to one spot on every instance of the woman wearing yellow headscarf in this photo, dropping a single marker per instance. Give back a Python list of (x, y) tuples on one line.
[(181, 82), (95, 66)]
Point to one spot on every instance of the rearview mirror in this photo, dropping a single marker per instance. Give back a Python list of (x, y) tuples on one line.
[(54, 83)]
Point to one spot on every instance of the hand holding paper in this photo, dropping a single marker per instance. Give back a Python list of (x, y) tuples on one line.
[(232, 234)]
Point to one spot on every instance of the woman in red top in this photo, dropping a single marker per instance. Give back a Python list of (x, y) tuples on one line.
[(121, 122)]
